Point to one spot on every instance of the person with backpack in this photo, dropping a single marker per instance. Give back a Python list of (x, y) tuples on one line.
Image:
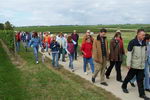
[(18, 39), (86, 50), (54, 46), (116, 56), (70, 50), (35, 43), (75, 37)]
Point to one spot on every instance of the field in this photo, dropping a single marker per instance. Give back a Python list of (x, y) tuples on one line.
[(42, 82), (128, 30), (83, 28), (29, 81)]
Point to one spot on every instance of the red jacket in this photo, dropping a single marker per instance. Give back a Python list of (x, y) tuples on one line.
[(87, 49)]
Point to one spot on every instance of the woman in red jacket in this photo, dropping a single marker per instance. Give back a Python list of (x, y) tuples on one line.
[(86, 49)]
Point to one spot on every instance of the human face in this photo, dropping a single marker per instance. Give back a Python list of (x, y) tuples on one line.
[(87, 33), (54, 38), (141, 35), (102, 34), (88, 40)]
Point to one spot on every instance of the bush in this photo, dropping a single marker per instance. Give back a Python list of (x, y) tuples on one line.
[(8, 38)]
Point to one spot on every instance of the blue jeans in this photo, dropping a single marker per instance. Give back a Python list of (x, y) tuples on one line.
[(63, 54), (46, 47), (18, 46), (55, 59), (86, 61), (36, 49), (71, 58), (146, 79)]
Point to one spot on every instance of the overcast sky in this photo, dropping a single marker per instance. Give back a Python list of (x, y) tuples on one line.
[(72, 12)]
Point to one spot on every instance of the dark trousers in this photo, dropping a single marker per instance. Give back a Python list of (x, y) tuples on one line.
[(139, 77), (117, 65), (60, 52), (75, 52)]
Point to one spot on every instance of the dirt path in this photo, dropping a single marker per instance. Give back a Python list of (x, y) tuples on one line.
[(114, 86)]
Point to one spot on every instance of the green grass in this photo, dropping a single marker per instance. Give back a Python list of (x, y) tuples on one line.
[(11, 83), (45, 83), (42, 82)]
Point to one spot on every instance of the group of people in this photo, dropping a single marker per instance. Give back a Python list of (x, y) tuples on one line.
[(97, 53)]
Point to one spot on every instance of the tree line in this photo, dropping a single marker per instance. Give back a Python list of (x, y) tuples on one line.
[(6, 26)]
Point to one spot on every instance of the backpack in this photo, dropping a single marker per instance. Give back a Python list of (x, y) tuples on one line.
[(70, 47), (18, 38)]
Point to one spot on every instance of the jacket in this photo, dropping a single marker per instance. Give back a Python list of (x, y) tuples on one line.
[(54, 46), (116, 52), (136, 55), (87, 49), (75, 37), (97, 50), (35, 42)]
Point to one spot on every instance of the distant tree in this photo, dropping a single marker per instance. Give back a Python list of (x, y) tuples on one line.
[(8, 26), (1, 26)]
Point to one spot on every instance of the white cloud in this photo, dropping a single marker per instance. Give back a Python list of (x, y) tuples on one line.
[(60, 12)]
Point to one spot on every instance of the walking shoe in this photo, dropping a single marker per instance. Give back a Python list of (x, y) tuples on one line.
[(145, 97), (120, 81), (63, 60), (125, 90), (93, 80), (37, 62), (72, 70), (132, 84), (107, 77), (85, 73), (104, 83), (148, 90)]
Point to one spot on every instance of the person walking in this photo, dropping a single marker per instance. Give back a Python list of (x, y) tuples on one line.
[(64, 46), (147, 64), (18, 39), (70, 51), (60, 40), (135, 62), (35, 43), (75, 37), (116, 56), (86, 50), (54, 46), (28, 38), (47, 41), (100, 56)]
